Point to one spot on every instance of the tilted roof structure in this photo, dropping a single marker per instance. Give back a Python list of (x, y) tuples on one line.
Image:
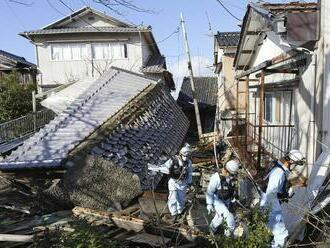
[(124, 117)]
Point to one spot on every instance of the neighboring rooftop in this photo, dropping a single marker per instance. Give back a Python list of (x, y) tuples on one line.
[(6, 57), (89, 20), (206, 91), (227, 39)]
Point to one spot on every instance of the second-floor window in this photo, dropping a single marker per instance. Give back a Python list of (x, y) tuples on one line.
[(109, 51), (62, 52)]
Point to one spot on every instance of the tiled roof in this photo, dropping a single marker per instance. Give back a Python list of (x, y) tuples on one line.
[(124, 117), (155, 64), (86, 30), (206, 91), (93, 107), (16, 58), (226, 39)]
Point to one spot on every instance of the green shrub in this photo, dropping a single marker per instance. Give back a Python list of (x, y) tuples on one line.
[(15, 98), (258, 235)]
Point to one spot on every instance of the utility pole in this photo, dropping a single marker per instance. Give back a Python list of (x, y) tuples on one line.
[(191, 76)]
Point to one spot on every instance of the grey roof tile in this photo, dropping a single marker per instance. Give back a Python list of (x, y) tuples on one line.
[(86, 30), (227, 39), (16, 59), (156, 63), (206, 89)]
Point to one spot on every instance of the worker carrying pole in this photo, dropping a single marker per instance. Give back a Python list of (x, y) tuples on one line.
[(191, 76)]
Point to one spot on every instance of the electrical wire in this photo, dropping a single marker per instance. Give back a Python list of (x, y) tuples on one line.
[(227, 10), (177, 29)]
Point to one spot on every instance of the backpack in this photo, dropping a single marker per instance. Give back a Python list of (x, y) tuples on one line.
[(283, 195), (228, 188)]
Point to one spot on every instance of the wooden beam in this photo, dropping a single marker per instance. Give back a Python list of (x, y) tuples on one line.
[(247, 52), (261, 116), (254, 69), (242, 67), (252, 32), (16, 238), (274, 71)]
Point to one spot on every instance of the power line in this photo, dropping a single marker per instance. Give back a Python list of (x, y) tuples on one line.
[(227, 10), (177, 30)]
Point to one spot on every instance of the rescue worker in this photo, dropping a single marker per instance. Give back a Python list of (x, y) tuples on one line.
[(179, 169), (277, 192), (221, 192)]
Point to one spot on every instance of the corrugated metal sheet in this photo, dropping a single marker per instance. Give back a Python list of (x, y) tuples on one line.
[(97, 104), (206, 91)]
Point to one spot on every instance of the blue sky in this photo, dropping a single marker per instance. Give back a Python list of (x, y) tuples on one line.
[(15, 18)]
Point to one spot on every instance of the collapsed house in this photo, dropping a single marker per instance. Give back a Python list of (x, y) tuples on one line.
[(280, 71), (206, 89), (126, 120)]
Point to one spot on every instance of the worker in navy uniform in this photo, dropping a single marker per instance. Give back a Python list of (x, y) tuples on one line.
[(278, 192), (179, 169)]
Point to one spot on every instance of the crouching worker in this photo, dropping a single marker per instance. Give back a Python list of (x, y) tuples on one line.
[(220, 193), (278, 192), (179, 169)]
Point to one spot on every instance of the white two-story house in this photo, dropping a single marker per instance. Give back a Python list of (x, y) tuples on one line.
[(86, 43)]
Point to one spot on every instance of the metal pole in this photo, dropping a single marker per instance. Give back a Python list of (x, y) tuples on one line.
[(191, 76), (261, 115), (34, 110)]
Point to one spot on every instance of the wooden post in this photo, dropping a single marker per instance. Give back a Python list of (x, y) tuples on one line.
[(261, 115), (191, 76), (247, 117), (237, 111), (34, 110)]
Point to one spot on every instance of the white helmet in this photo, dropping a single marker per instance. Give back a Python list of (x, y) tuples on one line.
[(186, 150), (296, 156), (232, 166)]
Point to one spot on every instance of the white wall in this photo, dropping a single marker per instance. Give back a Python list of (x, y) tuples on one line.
[(61, 72)]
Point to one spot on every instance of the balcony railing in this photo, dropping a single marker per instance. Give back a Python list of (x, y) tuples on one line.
[(25, 125)]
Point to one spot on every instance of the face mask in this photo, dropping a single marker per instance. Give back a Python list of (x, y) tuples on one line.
[(184, 158)]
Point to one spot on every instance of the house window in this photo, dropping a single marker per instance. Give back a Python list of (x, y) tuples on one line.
[(277, 106), (109, 50), (63, 52), (269, 107)]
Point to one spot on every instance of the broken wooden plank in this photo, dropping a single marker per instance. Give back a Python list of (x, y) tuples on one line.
[(16, 238), (137, 225), (125, 222)]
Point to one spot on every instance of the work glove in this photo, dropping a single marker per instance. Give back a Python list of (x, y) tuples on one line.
[(210, 209), (290, 193), (191, 188)]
